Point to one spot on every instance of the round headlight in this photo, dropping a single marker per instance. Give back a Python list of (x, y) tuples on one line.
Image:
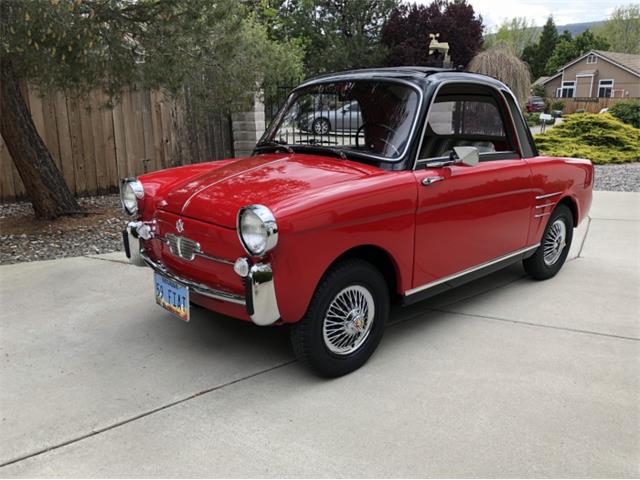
[(131, 191), (257, 229)]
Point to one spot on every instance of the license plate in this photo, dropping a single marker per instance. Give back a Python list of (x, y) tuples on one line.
[(172, 296)]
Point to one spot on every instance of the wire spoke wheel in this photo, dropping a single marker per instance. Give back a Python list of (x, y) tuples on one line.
[(554, 242), (348, 320)]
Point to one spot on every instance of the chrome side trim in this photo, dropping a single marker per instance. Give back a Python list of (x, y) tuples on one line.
[(538, 215), (540, 197), (213, 258), (199, 288), (546, 205), (470, 270)]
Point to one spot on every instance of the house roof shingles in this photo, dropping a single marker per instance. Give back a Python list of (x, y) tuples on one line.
[(629, 60)]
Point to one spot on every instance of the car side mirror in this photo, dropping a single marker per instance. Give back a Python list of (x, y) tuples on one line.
[(468, 156)]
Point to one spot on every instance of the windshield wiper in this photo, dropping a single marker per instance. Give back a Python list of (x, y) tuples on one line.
[(276, 144), (315, 144)]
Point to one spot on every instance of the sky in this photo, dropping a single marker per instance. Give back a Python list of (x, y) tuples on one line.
[(564, 11)]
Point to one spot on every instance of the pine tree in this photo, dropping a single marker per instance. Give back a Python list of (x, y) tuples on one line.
[(538, 56)]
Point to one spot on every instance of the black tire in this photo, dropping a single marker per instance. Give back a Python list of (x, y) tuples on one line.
[(307, 335), (321, 126), (535, 265)]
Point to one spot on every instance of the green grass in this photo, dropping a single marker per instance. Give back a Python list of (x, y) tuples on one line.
[(600, 138)]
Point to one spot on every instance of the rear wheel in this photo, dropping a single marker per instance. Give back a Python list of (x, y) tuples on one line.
[(548, 259), (345, 320)]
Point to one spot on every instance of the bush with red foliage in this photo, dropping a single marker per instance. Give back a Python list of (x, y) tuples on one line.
[(406, 33)]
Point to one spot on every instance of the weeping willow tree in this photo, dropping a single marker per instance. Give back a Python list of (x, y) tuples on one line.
[(502, 63)]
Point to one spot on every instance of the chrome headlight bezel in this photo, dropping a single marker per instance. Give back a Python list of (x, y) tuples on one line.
[(268, 226), (131, 190)]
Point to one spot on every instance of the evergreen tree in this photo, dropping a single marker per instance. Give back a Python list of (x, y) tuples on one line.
[(538, 55), (567, 50)]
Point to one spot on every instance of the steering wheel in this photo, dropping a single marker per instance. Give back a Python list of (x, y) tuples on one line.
[(382, 139)]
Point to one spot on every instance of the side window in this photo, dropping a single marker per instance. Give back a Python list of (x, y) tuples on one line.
[(464, 120)]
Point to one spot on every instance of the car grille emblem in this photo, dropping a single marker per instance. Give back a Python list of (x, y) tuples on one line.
[(180, 226)]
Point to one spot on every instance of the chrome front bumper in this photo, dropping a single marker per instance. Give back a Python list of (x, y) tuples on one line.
[(260, 294)]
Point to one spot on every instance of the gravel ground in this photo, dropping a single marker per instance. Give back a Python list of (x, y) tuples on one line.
[(618, 178), (25, 239)]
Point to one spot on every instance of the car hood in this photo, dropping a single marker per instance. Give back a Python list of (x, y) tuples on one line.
[(274, 180)]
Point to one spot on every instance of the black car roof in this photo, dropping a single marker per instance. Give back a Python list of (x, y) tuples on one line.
[(415, 74)]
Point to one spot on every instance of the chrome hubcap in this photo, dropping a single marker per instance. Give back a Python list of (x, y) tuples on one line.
[(321, 127), (554, 242), (348, 320)]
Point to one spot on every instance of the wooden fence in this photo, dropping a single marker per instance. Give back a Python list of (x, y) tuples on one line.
[(95, 145), (591, 105)]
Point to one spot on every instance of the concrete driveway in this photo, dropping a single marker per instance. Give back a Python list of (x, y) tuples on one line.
[(503, 377)]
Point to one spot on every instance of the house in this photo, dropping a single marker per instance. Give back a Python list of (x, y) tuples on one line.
[(596, 74)]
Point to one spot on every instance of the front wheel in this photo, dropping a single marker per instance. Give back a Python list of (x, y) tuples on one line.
[(554, 248), (345, 320)]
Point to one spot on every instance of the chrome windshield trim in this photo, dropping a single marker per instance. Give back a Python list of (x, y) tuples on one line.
[(540, 197), (196, 287), (416, 116), (469, 270)]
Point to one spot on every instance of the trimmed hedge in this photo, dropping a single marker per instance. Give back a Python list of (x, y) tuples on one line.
[(600, 138)]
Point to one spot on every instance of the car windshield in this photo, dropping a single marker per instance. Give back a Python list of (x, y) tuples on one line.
[(368, 117)]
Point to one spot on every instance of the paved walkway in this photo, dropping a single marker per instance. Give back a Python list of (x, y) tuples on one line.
[(503, 377)]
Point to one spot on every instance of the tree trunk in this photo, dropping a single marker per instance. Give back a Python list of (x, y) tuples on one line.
[(50, 195)]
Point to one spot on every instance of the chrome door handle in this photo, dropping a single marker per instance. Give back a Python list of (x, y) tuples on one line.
[(429, 180)]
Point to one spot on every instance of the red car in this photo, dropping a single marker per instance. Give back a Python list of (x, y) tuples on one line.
[(535, 104), (440, 184)]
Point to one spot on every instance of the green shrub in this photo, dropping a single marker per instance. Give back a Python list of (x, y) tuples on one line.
[(533, 119), (628, 111), (599, 138), (556, 105)]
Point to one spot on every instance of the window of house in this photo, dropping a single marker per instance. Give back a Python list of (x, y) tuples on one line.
[(605, 88), (592, 59), (567, 90)]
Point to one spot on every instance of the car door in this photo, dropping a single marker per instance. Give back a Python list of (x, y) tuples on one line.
[(469, 216)]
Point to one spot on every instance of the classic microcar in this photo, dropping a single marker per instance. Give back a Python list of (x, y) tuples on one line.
[(436, 181)]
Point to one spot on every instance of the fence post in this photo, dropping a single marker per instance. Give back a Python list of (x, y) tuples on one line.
[(247, 128)]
